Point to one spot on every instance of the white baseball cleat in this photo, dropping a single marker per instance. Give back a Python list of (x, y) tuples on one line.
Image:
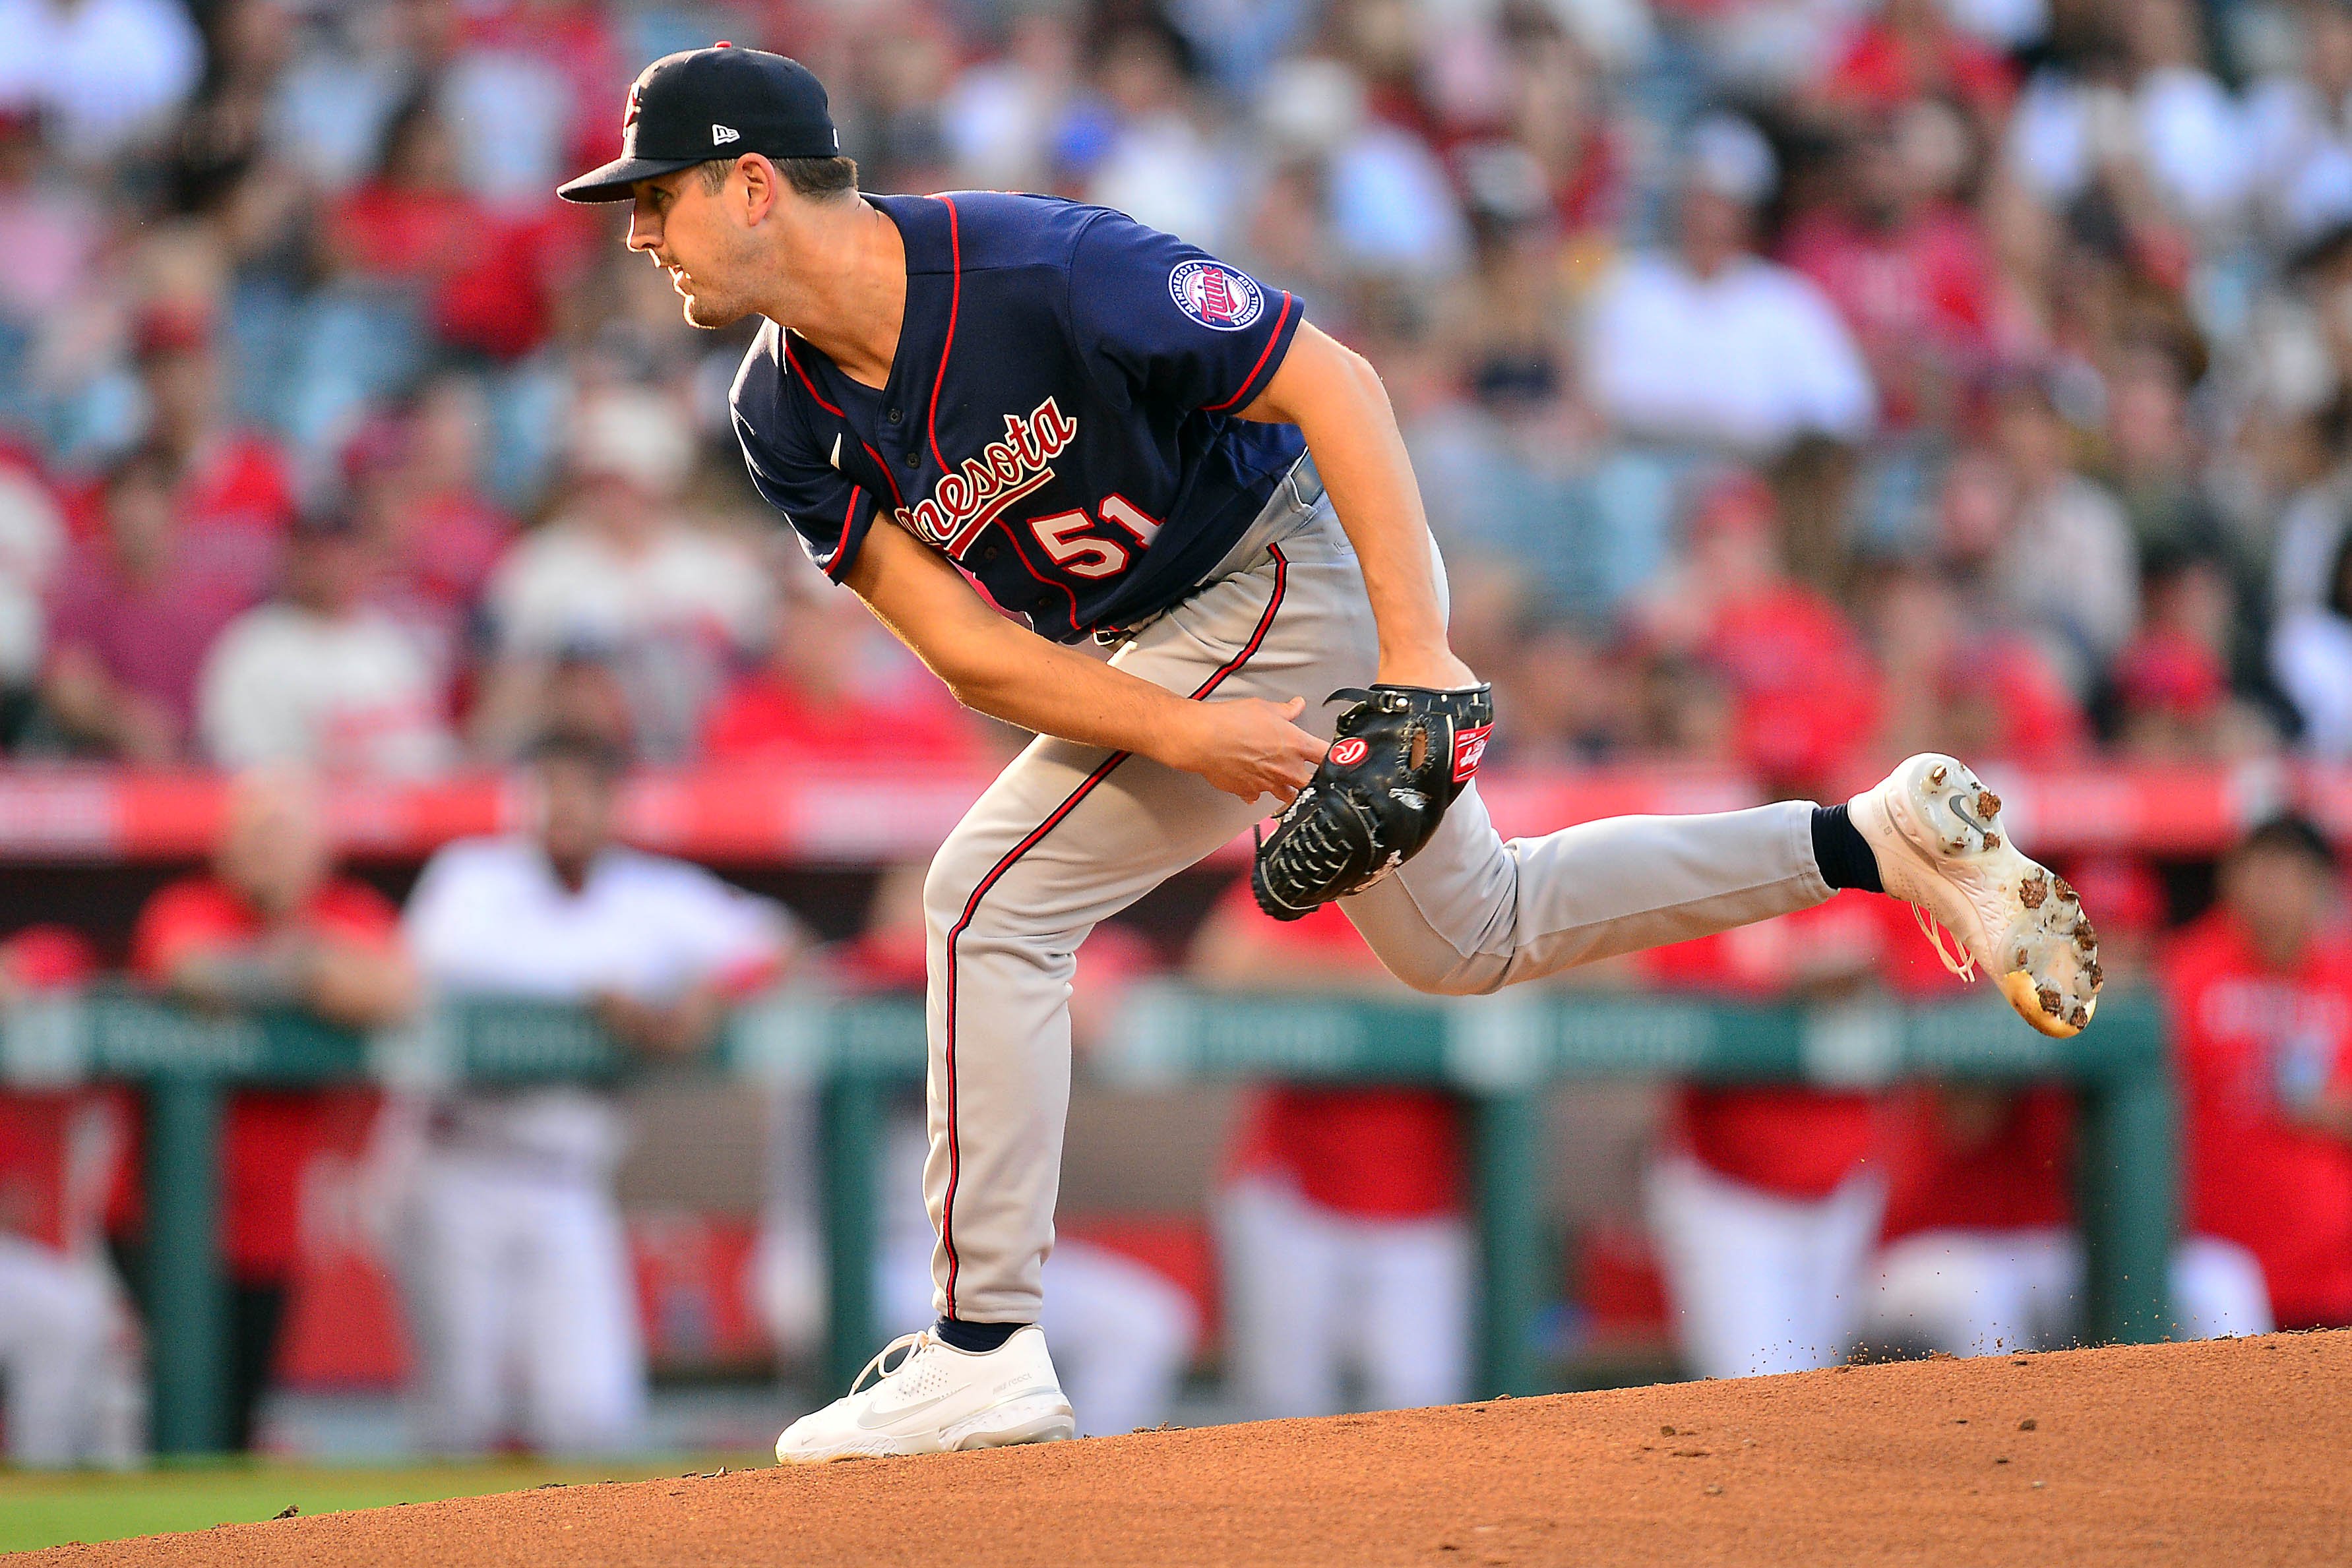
[(937, 1400), (1937, 835)]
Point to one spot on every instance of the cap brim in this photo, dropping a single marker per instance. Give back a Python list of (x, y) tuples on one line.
[(611, 183)]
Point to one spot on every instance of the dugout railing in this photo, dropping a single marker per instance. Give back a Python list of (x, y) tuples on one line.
[(1501, 1053)]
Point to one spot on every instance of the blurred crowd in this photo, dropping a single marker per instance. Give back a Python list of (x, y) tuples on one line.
[(1980, 363)]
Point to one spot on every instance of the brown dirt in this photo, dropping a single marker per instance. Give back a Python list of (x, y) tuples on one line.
[(2228, 1453)]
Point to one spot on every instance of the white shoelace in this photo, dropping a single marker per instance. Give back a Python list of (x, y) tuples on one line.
[(1934, 934), (909, 1342)]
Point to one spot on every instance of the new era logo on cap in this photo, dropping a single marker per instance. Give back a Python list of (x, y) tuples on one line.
[(721, 135)]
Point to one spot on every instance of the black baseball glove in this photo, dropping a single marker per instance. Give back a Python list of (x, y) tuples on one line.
[(1402, 756)]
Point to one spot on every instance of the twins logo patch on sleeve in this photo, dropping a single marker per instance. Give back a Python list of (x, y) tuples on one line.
[(1218, 297)]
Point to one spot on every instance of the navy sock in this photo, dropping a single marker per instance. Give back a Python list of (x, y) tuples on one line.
[(978, 1339), (1843, 853)]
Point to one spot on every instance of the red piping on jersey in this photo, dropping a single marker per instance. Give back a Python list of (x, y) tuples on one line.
[(1272, 338), (890, 478), (840, 551), (931, 423), (971, 907), (955, 301)]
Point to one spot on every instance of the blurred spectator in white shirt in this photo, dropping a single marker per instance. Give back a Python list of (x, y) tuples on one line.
[(2010, 516), (669, 606), (351, 69), (516, 1264), (2311, 655), (32, 539), (1707, 343), (1001, 117), (321, 677), (2144, 118), (2299, 128), (101, 72), (1390, 206), (1154, 163)]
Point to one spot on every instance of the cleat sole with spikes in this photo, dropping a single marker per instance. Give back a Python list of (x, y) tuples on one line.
[(1940, 843)]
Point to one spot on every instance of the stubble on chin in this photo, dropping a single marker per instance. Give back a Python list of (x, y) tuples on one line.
[(709, 314)]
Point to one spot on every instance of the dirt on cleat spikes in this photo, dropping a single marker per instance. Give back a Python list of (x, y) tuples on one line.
[(2097, 976), (2050, 1000), (1992, 841), (2080, 1015), (2033, 890), (1938, 773), (2086, 938), (2066, 894), (1988, 805)]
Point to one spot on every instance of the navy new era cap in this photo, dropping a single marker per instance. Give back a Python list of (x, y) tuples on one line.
[(721, 102)]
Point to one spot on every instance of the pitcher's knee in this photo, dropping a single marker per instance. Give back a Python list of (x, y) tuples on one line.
[(956, 872), (1448, 973)]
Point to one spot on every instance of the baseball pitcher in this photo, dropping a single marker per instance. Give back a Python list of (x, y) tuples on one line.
[(1011, 423)]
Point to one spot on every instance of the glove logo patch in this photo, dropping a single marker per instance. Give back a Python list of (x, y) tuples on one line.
[(1349, 752), (1469, 750)]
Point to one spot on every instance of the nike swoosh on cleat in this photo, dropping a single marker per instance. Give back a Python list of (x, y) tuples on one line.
[(867, 1423), (1961, 809)]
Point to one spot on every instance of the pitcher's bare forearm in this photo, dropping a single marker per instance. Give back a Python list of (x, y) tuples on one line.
[(1246, 748), (1335, 397)]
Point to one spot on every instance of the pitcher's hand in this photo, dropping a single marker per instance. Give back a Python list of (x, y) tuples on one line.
[(1249, 747)]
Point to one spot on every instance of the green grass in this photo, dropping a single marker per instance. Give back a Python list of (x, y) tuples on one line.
[(49, 1510)]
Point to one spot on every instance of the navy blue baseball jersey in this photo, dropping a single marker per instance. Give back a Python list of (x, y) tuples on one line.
[(1060, 419)]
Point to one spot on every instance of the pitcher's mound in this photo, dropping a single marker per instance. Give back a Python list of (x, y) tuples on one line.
[(2233, 1453)]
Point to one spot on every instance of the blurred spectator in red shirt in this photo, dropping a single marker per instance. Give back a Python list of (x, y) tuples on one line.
[(2173, 700), (69, 1343), (415, 490), (479, 277), (271, 925), (1767, 1203), (1343, 1238), (1964, 688), (833, 688), (321, 677), (131, 615), (1805, 695), (1980, 1255), (1909, 51), (2260, 993), (1907, 267), (228, 480)]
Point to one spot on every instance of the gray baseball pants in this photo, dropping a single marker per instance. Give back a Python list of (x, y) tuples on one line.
[(1069, 835)]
